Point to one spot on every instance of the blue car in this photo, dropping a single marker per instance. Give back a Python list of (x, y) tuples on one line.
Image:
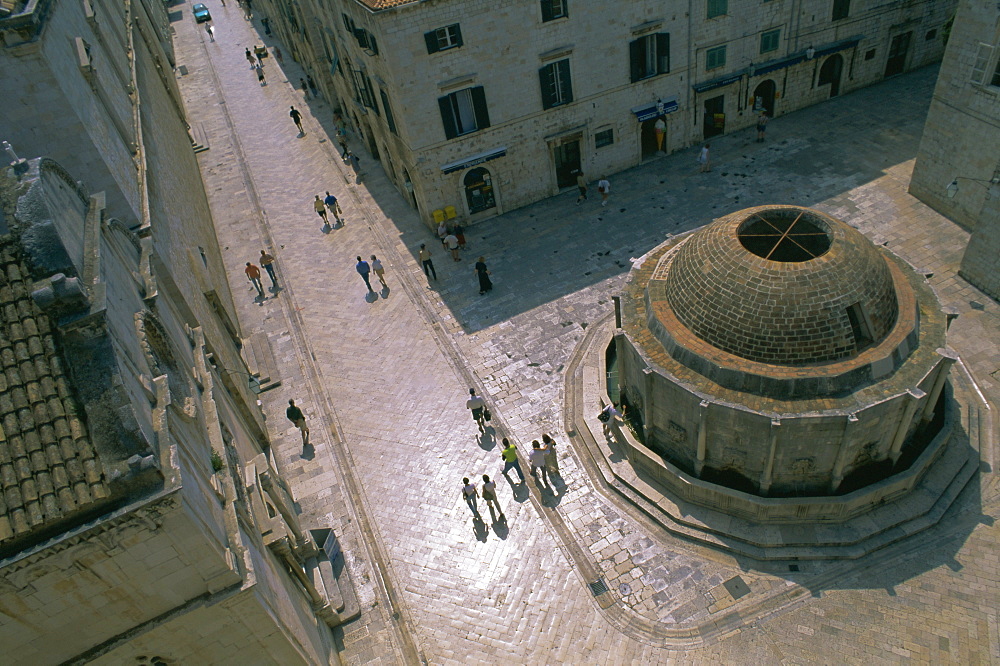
[(201, 13)]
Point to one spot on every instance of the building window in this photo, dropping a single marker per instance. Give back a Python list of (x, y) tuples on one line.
[(464, 111), (442, 39), (554, 9), (860, 326), (769, 40), (841, 9), (931, 34), (981, 63), (389, 120), (557, 89), (870, 54), (715, 58), (649, 56), (604, 138), (717, 8), (995, 81), (363, 89)]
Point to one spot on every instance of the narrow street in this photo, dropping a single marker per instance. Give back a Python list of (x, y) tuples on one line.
[(383, 377)]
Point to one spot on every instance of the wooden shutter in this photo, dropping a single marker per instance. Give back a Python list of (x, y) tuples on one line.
[(547, 11), (662, 52), (566, 85), (448, 117), (479, 107), (372, 44), (545, 80), (432, 41), (981, 63), (635, 59), (458, 35)]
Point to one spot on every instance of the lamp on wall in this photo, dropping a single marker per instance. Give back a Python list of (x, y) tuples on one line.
[(810, 52), (991, 185)]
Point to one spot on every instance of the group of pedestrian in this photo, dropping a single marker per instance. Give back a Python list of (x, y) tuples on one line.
[(308, 86), (603, 188), (365, 269), (452, 237), (253, 273), (470, 493), (328, 203)]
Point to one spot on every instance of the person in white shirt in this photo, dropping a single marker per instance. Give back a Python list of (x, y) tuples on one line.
[(470, 494), (478, 407), (490, 496), (537, 460), (604, 187)]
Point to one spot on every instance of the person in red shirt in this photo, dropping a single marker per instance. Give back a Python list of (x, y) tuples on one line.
[(253, 274)]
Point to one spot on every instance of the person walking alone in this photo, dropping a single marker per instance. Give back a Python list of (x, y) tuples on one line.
[(253, 274), (364, 270), (260, 76), (451, 242), (295, 415), (490, 496), (509, 456), (478, 407), (379, 271), (355, 163), (312, 85), (705, 159), (267, 261), (427, 262), (211, 31), (305, 88), (581, 185), (761, 126), (604, 187), (297, 117), (483, 273)]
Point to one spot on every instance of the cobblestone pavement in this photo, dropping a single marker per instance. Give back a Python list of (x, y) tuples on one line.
[(383, 379)]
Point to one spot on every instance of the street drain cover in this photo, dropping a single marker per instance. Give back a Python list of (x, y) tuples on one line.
[(625, 589), (736, 587), (598, 587)]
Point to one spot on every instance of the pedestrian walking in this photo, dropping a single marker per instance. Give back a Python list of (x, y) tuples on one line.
[(305, 87), (427, 262), (297, 118), (266, 22), (342, 140), (483, 273), (355, 163), (320, 207), (253, 274), (704, 159), (451, 242), (470, 494), (761, 126), (581, 185), (247, 9), (333, 206), (364, 270), (490, 496), (267, 261), (312, 85), (278, 56), (537, 460), (478, 407), (211, 31), (379, 271), (260, 76), (295, 415), (442, 233), (459, 232), (604, 187), (551, 460), (608, 417), (251, 59), (509, 456)]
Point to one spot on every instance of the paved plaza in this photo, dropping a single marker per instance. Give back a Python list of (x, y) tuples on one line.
[(383, 377)]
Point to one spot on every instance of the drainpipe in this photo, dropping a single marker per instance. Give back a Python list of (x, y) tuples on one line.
[(846, 441), (766, 477), (702, 437)]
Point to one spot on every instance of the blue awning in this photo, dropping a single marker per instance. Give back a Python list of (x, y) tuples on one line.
[(718, 83), (660, 107), (474, 160)]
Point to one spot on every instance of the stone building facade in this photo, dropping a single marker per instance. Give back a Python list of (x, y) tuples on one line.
[(142, 518), (778, 352), (475, 108), (957, 171)]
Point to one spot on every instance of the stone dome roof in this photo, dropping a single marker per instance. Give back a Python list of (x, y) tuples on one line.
[(781, 285)]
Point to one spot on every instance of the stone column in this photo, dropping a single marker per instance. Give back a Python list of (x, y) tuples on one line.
[(846, 446), (766, 477), (948, 359), (915, 395), (699, 464), (647, 403)]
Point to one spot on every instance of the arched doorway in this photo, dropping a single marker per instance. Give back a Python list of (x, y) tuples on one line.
[(648, 137), (715, 116), (763, 98), (830, 73), (479, 190), (408, 186)]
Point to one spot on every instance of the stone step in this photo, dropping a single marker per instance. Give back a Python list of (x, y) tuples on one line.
[(260, 361)]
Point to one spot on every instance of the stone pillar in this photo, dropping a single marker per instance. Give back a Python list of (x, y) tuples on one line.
[(981, 261), (915, 395), (765, 479), (948, 359), (846, 442), (702, 437), (647, 403)]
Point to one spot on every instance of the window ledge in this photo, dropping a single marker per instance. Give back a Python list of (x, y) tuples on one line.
[(647, 27), (457, 82)]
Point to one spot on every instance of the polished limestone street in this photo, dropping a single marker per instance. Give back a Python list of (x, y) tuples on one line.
[(383, 378)]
